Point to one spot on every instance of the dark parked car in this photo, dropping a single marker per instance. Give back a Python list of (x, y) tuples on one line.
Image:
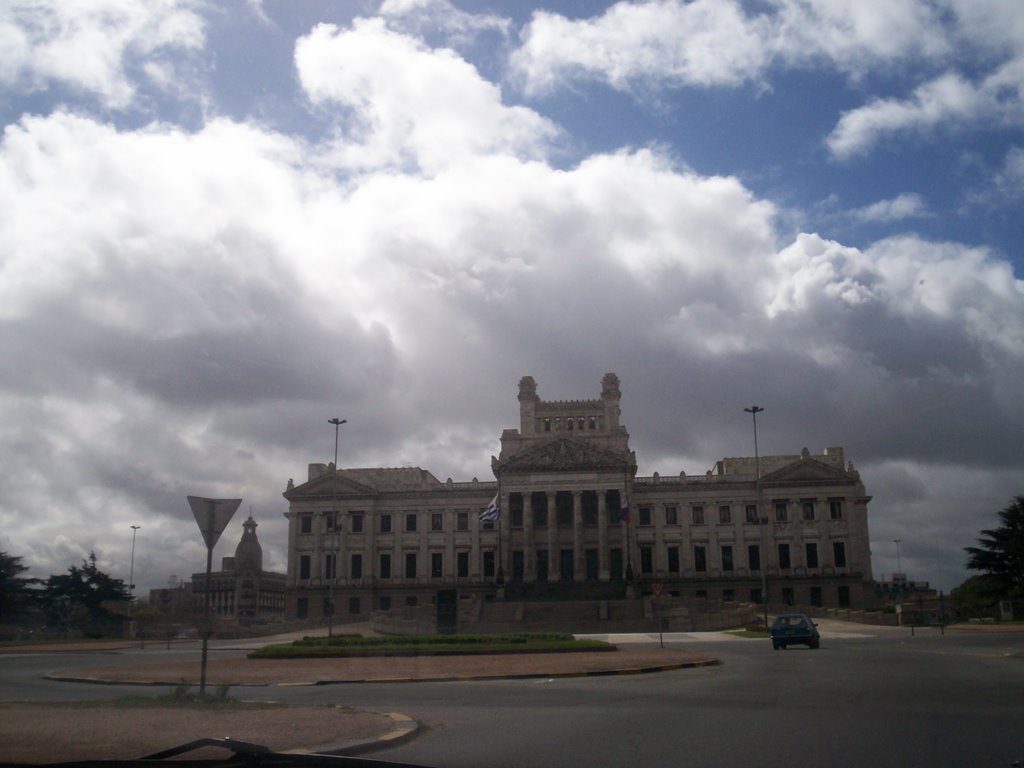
[(794, 628)]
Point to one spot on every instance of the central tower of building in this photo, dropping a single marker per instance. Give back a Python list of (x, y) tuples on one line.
[(564, 478)]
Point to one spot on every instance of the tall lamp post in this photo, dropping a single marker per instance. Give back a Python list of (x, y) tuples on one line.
[(334, 512), (131, 572), (899, 563), (753, 411)]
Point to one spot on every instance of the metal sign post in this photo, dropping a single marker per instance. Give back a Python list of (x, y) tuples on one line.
[(213, 516)]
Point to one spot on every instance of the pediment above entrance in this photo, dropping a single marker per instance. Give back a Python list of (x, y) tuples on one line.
[(808, 470), (564, 454), (328, 484)]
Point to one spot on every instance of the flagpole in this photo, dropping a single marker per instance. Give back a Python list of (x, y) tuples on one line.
[(501, 559), (629, 542)]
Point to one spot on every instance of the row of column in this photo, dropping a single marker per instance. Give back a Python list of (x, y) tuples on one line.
[(608, 536)]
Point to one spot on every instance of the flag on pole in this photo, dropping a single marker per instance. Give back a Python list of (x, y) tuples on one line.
[(492, 513), (624, 512)]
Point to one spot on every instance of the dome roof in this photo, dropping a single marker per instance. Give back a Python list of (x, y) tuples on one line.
[(249, 553)]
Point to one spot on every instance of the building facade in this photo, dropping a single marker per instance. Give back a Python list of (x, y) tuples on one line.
[(241, 590), (577, 522)]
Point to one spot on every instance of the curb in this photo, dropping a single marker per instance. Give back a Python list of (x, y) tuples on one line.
[(710, 661), (405, 730)]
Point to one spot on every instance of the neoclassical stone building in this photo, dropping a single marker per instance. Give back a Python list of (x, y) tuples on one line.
[(576, 521)]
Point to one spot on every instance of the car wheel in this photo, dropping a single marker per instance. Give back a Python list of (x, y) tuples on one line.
[(775, 646), (814, 644)]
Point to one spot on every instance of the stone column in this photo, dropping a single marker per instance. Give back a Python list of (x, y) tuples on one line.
[(554, 572), (603, 574), (529, 556), (578, 565), (316, 571), (450, 524)]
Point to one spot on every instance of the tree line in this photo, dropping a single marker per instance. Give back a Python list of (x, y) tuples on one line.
[(85, 600)]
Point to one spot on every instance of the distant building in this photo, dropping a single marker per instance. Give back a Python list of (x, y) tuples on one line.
[(242, 590), (175, 598), (576, 521)]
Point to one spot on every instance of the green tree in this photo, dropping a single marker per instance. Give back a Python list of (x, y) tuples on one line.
[(16, 594), (76, 599), (1000, 552), (977, 597)]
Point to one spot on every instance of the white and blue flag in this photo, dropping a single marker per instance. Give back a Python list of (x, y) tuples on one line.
[(492, 513)]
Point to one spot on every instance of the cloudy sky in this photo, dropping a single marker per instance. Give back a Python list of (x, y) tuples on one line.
[(223, 223)]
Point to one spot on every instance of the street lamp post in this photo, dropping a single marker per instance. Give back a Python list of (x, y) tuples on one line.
[(899, 562), (763, 521), (131, 572), (334, 533)]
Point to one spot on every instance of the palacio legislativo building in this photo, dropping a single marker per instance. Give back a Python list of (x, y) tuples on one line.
[(568, 518)]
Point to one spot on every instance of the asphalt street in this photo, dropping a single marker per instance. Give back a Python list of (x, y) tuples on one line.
[(865, 698)]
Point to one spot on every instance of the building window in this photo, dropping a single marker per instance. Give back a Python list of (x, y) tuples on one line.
[(410, 522), (588, 508), (329, 561), (542, 565), (384, 602), (516, 515), (671, 515), (835, 509), (808, 507), (410, 600), (488, 563), (702, 594), (592, 564), (781, 511), (811, 550), (305, 523), (698, 515), (357, 566), (728, 595), (302, 608), (787, 596), (727, 557), (754, 557), (724, 514), (462, 564), (839, 554), (353, 605), (385, 565), (487, 525), (304, 562), (755, 595), (700, 559), (673, 559), (816, 596), (436, 564), (563, 509), (752, 513), (410, 565), (462, 521), (436, 521), (357, 522), (331, 520), (644, 516), (539, 505), (843, 595), (784, 562), (646, 561), (385, 523)]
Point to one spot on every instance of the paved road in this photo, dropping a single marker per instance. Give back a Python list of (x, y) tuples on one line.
[(864, 699)]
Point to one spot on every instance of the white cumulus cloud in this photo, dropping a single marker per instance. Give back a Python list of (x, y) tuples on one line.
[(89, 46)]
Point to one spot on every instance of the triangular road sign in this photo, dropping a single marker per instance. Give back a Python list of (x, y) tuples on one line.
[(213, 516)]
